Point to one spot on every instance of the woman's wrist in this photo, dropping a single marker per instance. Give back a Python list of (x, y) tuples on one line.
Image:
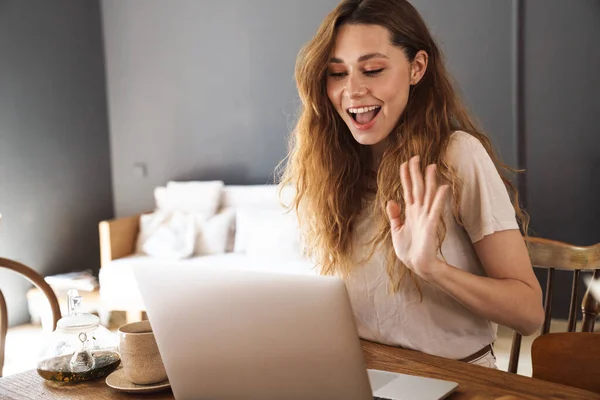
[(437, 272)]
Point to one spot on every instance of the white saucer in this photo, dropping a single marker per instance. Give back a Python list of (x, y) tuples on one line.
[(117, 381)]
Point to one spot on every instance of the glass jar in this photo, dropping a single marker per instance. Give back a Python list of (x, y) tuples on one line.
[(79, 349)]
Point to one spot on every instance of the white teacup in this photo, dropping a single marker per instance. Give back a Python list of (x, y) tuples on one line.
[(141, 359)]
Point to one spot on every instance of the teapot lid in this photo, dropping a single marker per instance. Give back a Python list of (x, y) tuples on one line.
[(77, 322)]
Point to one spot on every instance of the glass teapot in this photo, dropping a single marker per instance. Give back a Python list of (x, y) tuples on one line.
[(79, 349)]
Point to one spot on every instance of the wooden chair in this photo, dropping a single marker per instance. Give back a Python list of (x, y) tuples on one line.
[(553, 255), (568, 358), (41, 284)]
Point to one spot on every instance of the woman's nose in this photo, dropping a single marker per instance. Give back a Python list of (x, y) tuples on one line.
[(355, 87)]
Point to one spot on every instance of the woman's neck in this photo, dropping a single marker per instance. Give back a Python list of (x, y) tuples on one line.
[(377, 151)]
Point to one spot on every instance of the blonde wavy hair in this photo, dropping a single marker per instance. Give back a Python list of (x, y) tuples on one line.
[(330, 172)]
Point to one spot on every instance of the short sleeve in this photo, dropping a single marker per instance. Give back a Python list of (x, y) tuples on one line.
[(485, 206)]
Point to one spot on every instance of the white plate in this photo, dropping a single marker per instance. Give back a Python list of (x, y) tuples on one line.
[(117, 381)]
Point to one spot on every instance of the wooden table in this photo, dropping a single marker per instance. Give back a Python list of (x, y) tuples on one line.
[(475, 383)]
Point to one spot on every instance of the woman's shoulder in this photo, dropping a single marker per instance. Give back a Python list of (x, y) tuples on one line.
[(462, 142), (464, 148)]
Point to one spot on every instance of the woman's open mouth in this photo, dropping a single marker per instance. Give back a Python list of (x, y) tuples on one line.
[(364, 117)]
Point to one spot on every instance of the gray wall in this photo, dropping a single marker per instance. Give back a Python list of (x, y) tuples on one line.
[(54, 158), (562, 108), (562, 133), (201, 89), (205, 90), (477, 37)]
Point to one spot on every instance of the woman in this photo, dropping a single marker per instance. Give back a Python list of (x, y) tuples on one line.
[(431, 268)]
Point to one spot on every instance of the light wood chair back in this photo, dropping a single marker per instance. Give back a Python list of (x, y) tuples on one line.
[(35, 278), (554, 255), (568, 358)]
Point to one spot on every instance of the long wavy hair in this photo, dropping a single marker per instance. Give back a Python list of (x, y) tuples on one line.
[(330, 172)]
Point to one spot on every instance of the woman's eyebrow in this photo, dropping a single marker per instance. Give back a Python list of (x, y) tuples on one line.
[(366, 57)]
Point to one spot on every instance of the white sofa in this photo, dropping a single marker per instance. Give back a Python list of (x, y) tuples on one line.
[(262, 236)]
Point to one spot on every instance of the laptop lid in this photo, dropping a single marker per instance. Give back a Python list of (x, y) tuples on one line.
[(237, 334)]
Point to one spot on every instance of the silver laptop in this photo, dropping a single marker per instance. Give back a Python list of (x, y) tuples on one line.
[(232, 334)]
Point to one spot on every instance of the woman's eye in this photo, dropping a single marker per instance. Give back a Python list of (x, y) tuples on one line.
[(374, 72), (337, 74)]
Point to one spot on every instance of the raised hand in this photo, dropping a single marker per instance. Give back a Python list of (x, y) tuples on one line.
[(415, 239)]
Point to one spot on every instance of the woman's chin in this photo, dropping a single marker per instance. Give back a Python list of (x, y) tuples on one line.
[(368, 138)]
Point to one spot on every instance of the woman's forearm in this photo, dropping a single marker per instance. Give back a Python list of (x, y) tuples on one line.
[(507, 302)]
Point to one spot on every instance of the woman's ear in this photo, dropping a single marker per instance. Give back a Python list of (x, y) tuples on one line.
[(418, 67)]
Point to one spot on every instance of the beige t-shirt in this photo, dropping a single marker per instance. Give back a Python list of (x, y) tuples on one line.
[(439, 324)]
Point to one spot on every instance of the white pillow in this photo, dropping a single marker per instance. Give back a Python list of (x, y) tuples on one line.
[(168, 235), (272, 233), (200, 198), (256, 196), (213, 235), (160, 198)]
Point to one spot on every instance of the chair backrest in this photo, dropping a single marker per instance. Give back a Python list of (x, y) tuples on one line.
[(568, 358), (41, 284), (553, 255)]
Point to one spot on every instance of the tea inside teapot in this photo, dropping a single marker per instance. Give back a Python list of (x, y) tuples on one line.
[(80, 348)]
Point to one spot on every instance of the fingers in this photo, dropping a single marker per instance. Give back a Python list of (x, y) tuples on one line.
[(415, 189), (393, 211), (418, 187), (437, 206), (406, 183), (430, 186)]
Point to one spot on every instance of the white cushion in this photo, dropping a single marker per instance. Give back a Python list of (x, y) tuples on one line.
[(160, 198), (213, 235), (278, 238), (254, 196), (167, 235), (119, 290), (594, 285), (245, 200), (233, 196), (267, 232), (201, 197)]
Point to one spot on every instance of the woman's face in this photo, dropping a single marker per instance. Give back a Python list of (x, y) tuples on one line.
[(368, 81)]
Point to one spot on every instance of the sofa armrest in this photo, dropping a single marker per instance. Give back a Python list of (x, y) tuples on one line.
[(118, 238)]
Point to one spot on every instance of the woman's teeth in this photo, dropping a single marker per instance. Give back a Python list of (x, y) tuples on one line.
[(362, 109), (364, 115)]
